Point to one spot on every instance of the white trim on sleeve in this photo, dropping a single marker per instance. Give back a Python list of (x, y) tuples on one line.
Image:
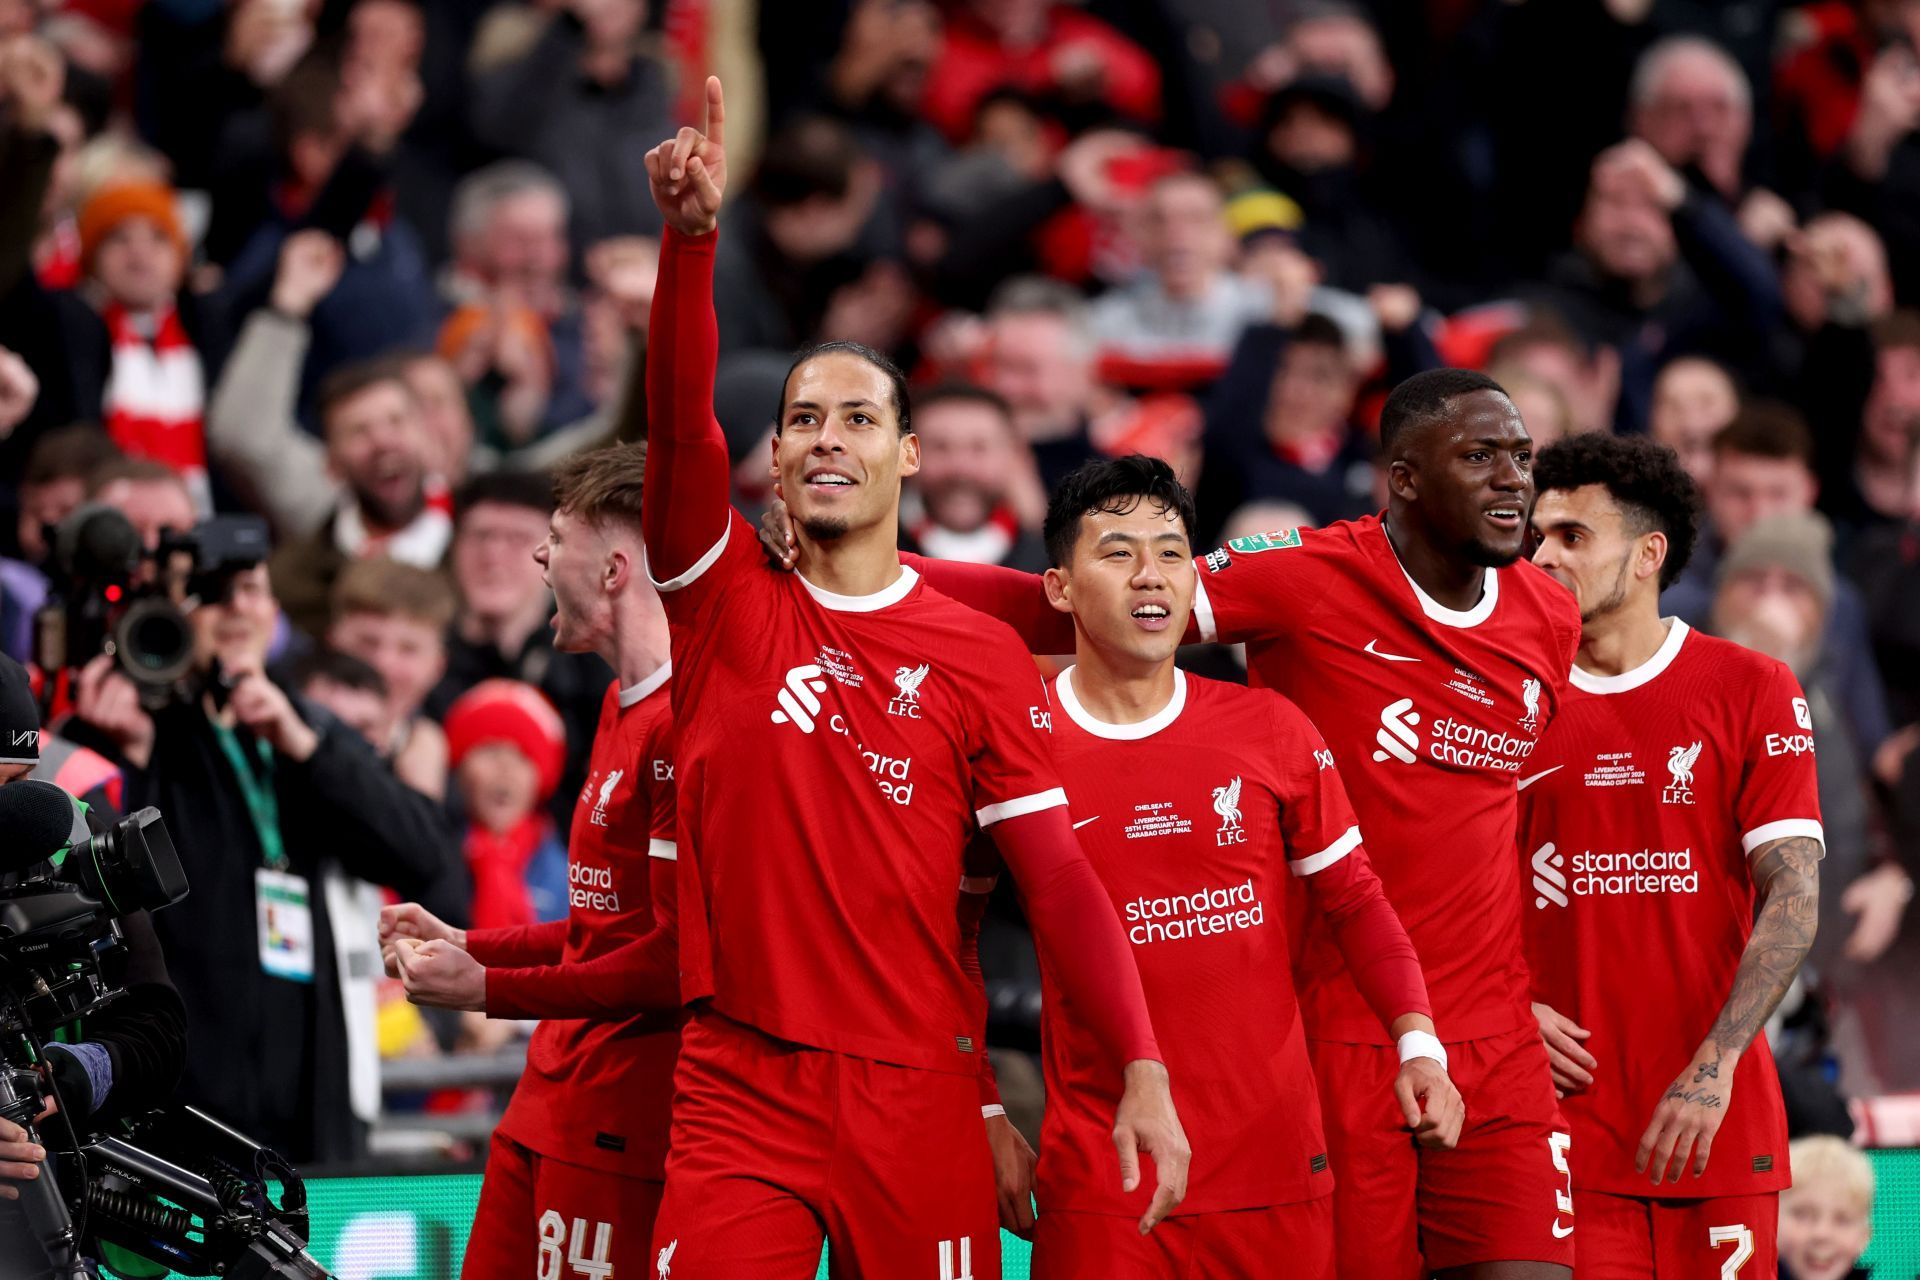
[(1320, 861), (993, 813), (665, 850), (1781, 830), (1203, 612), (698, 567)]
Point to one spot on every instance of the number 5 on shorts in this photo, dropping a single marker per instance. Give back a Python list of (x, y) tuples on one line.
[(1741, 1238)]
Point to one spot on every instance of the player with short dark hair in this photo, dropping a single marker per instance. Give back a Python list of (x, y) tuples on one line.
[(1198, 802), (1431, 658), (843, 731), (576, 1169), (1674, 791)]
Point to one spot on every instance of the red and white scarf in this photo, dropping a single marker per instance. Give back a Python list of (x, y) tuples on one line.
[(156, 394)]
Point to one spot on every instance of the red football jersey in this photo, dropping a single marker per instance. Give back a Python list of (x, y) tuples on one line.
[(835, 755), (1192, 820), (1638, 814), (1433, 713), (598, 1092)]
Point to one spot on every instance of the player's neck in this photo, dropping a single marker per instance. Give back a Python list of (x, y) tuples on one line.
[(1622, 640), (1117, 689), (638, 645), (1454, 582), (860, 562)]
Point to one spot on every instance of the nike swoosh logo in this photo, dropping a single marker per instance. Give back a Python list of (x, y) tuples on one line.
[(1524, 783), (1560, 1232), (1084, 821), (1390, 657)]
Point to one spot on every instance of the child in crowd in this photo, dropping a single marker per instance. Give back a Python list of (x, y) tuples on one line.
[(394, 618), (1826, 1216), (507, 745)]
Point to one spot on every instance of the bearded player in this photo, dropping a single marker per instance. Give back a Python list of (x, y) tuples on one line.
[(577, 1165), (1197, 803), (1431, 657), (843, 730), (1673, 793)]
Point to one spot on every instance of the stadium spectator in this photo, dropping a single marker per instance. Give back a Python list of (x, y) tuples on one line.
[(1882, 474), (1040, 358), (150, 494), (1876, 174), (1587, 375), (1544, 410), (1691, 101), (387, 503), (394, 618), (583, 100), (147, 343), (261, 794), (1826, 1217), (351, 691), (506, 744), (1176, 325), (445, 414), (1763, 466), (971, 458), (53, 483), (1693, 401), (508, 229), (501, 631), (1081, 67), (1660, 270)]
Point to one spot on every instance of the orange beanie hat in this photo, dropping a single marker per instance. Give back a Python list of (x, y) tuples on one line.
[(116, 202)]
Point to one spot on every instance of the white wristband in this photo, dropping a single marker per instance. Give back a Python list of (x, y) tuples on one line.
[(991, 1110), (1422, 1044)]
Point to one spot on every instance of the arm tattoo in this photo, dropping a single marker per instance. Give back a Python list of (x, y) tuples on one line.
[(1788, 873)]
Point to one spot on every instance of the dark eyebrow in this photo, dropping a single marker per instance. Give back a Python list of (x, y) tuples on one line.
[(1562, 525), (844, 404)]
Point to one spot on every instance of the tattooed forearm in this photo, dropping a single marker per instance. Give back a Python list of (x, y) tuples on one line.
[(1788, 873), (1697, 1097)]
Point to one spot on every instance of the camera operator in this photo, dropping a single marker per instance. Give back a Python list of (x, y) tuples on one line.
[(262, 792), (128, 1057)]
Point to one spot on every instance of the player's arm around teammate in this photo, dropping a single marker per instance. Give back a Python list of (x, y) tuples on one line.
[(1786, 874)]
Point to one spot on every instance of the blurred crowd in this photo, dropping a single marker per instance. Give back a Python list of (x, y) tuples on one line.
[(368, 268)]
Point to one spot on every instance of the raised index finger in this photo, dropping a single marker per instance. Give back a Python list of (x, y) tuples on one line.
[(716, 113)]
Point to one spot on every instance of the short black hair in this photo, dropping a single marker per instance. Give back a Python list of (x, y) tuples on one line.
[(338, 668), (1424, 398), (897, 379), (964, 393), (1771, 429), (1645, 479), (1114, 486), (1318, 330), (530, 489)]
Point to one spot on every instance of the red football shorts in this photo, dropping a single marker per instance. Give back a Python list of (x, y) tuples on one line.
[(1280, 1242), (1502, 1195), (1630, 1238), (541, 1217), (776, 1145)]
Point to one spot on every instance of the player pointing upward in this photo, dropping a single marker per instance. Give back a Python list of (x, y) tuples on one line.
[(827, 785)]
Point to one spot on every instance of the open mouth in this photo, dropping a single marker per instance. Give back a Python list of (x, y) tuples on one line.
[(829, 481), (1505, 517), (1152, 616)]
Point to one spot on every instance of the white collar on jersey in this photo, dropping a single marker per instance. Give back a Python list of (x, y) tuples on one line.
[(635, 693), (880, 599), (1070, 703), (1662, 659), (1489, 595)]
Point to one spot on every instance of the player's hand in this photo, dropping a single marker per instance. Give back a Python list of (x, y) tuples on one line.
[(260, 705), (1688, 1117), (1432, 1107), (776, 535), (688, 171), (440, 974), (20, 1158), (1572, 1064), (1146, 1122), (411, 920), (1013, 1162), (107, 700)]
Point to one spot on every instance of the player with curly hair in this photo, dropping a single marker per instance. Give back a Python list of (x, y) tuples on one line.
[(1675, 787)]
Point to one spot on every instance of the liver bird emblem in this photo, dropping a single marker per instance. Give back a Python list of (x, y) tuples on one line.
[(1226, 803), (1680, 762), (909, 679)]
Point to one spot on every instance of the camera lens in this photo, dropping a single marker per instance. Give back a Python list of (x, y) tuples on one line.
[(155, 642)]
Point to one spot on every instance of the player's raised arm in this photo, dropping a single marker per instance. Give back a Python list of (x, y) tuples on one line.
[(688, 477)]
